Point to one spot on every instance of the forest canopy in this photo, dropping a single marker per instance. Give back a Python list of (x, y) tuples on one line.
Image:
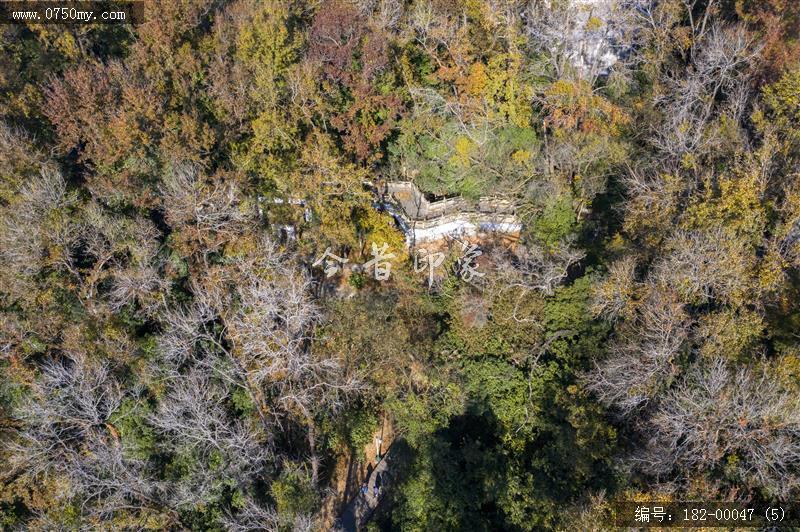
[(214, 316)]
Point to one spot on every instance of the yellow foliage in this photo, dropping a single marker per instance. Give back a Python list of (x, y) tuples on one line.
[(573, 105), (783, 101), (495, 89), (788, 370), (464, 148), (734, 203), (651, 215), (477, 79), (66, 44), (731, 334), (772, 272), (380, 229), (242, 246), (508, 98), (593, 24), (521, 156)]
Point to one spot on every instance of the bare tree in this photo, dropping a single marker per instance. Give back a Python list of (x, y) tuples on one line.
[(192, 419), (652, 199), (252, 516), (35, 231), (691, 101), (384, 14), (700, 14), (541, 269), (251, 330), (206, 210), (706, 265), (654, 22), (42, 230), (615, 294), (435, 30), (271, 329), (125, 252), (187, 332), (254, 331), (718, 413), (68, 432), (644, 361)]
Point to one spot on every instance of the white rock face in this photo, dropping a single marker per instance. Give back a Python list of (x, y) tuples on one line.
[(588, 35), (463, 226), (595, 48), (423, 221)]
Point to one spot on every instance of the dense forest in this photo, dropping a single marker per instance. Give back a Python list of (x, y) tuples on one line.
[(191, 336)]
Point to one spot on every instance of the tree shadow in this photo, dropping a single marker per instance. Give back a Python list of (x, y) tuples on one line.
[(352, 473)]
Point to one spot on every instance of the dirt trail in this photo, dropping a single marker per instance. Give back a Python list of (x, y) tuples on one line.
[(349, 473)]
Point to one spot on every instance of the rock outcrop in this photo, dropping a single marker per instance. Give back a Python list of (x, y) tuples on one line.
[(424, 221)]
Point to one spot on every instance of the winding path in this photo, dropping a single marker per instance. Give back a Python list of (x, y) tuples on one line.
[(361, 507)]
